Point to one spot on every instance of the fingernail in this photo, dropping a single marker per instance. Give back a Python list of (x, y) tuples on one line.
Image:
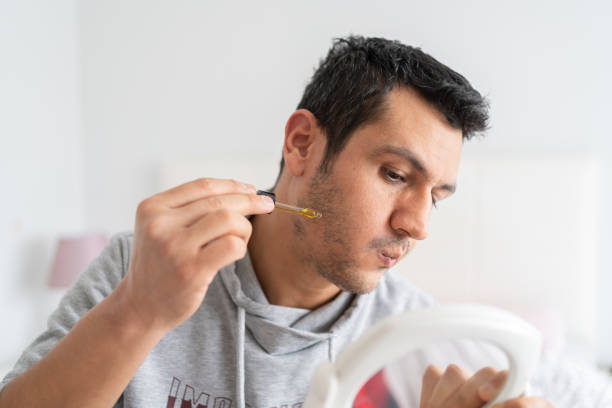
[(267, 201)]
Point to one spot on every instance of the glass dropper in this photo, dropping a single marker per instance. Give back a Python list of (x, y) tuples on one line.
[(306, 212)]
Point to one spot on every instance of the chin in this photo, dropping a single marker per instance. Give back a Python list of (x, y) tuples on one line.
[(362, 290), (363, 284)]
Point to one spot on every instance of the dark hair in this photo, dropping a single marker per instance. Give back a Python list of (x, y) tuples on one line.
[(348, 89)]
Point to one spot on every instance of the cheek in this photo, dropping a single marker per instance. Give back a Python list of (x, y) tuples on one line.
[(368, 206), (371, 208), (367, 222), (371, 225)]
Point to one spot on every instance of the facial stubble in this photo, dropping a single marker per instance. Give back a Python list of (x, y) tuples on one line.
[(329, 251)]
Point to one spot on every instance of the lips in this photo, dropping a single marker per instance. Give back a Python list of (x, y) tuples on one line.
[(392, 253), (389, 257)]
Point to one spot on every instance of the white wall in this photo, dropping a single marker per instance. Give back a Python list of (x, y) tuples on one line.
[(192, 79), (40, 158), (176, 79)]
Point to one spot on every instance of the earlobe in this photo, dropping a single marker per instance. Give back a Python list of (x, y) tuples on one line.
[(301, 132)]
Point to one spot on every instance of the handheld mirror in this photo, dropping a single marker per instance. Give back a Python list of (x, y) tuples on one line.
[(385, 366)]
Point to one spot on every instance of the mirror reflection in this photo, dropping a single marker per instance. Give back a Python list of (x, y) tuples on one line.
[(466, 372)]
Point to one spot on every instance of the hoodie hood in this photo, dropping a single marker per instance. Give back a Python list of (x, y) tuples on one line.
[(285, 344), (278, 329)]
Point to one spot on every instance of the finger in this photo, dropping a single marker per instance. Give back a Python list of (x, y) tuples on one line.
[(218, 254), (213, 226), (525, 402), (244, 204), (490, 389), (468, 395), (452, 379), (430, 379), (202, 188)]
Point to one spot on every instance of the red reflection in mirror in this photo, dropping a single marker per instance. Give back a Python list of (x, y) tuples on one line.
[(375, 394)]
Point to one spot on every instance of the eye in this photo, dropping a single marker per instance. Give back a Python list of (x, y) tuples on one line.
[(392, 176)]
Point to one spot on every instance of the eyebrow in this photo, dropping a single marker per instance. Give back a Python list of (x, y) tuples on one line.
[(410, 157)]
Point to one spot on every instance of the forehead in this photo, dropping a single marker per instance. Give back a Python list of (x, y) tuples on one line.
[(410, 122)]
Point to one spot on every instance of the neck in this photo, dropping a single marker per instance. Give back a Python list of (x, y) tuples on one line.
[(278, 258)]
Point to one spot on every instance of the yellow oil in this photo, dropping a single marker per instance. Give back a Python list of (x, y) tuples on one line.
[(306, 212), (310, 213)]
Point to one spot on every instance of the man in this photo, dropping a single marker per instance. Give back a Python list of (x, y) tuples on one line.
[(217, 300)]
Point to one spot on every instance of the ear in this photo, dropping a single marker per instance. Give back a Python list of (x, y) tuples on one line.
[(302, 134)]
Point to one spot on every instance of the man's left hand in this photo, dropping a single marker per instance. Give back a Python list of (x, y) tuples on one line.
[(455, 388)]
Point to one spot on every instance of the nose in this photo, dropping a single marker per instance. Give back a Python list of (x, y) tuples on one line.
[(411, 214)]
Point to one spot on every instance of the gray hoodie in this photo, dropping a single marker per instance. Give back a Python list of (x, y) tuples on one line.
[(237, 350)]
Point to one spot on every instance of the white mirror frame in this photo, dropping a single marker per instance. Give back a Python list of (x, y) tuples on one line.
[(335, 385)]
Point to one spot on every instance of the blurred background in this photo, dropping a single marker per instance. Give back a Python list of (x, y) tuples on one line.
[(102, 101)]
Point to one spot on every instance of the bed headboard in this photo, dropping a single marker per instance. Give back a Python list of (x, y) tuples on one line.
[(521, 230)]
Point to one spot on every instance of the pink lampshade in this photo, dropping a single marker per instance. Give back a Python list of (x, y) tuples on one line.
[(72, 256)]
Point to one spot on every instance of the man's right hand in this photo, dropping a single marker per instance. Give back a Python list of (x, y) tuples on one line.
[(182, 237)]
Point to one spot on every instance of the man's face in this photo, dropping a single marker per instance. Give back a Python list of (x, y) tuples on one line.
[(378, 193)]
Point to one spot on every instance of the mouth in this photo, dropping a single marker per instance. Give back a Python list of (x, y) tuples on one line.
[(390, 257)]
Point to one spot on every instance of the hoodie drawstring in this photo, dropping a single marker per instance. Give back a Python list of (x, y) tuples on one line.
[(330, 353), (240, 359)]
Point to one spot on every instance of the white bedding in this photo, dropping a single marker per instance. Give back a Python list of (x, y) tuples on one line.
[(569, 380)]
